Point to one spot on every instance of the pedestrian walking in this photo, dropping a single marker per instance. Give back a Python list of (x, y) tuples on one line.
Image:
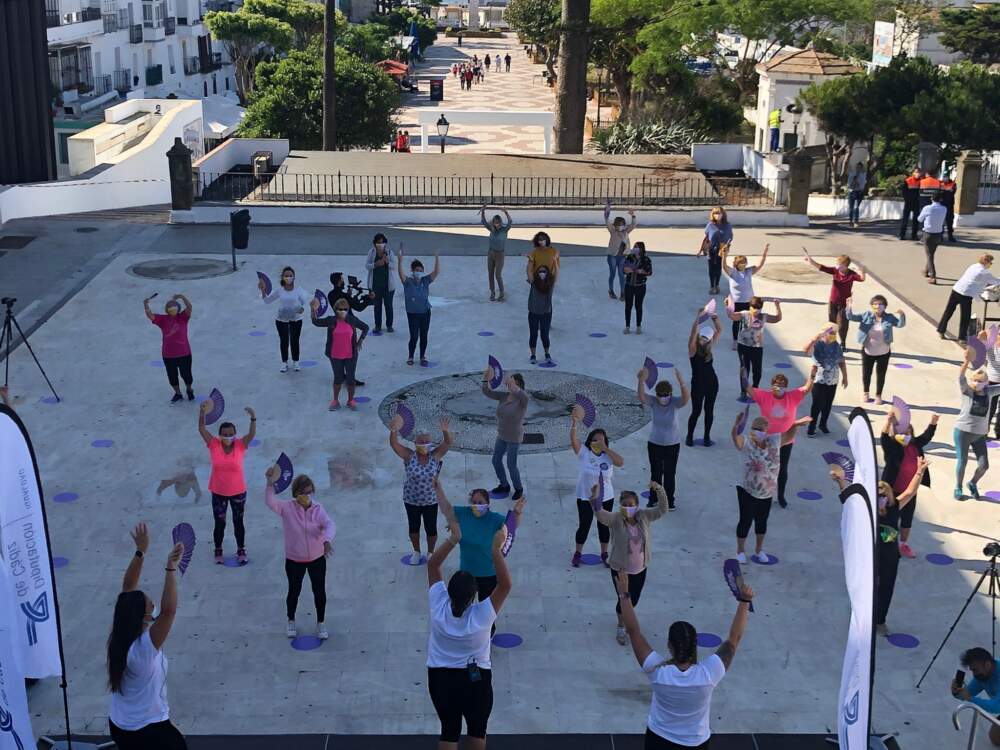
[(949, 189), (637, 268), (875, 337), (704, 381), (740, 276), (292, 301), (416, 292), (487, 62), (970, 285), (828, 364), (496, 253), (227, 482), (857, 184), (718, 235), (343, 347), (932, 219), (175, 349), (779, 406), (596, 464), (911, 203), (381, 263), (663, 446), (506, 62), (841, 290), (618, 245), (512, 406), (540, 311), (902, 451)]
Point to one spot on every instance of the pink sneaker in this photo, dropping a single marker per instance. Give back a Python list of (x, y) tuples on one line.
[(241, 557), (352, 405), (334, 405), (218, 556), (575, 562), (905, 551)]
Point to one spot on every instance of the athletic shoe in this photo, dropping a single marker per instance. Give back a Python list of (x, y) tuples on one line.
[(957, 494), (295, 366), (493, 297), (548, 357), (533, 360), (626, 330), (389, 329), (352, 405), (762, 556), (218, 555), (905, 551), (689, 441), (811, 432), (782, 502), (707, 442), (671, 506), (284, 367), (620, 635), (518, 494), (741, 558), (323, 633), (409, 362), (973, 490), (190, 394), (638, 330), (415, 558), (878, 401), (824, 429), (611, 295), (500, 489), (423, 362), (882, 630), (575, 562), (604, 559), (241, 557), (290, 630), (334, 405), (500, 297), (358, 383), (177, 397)]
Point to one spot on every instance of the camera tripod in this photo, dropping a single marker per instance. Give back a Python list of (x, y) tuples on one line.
[(992, 551), (7, 341)]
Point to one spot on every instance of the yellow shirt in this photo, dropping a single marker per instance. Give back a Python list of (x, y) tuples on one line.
[(543, 256), (774, 119)]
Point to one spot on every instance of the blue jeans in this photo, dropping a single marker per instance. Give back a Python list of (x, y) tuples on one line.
[(499, 449), (775, 138), (854, 198), (616, 264), (963, 441)]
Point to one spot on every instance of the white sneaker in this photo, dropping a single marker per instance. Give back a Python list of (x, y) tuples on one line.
[(284, 367), (762, 556), (415, 558), (295, 366), (620, 635), (290, 629), (741, 558), (323, 633), (626, 331)]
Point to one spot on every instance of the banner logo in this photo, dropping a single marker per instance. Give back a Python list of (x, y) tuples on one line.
[(7, 725), (35, 612), (851, 712)]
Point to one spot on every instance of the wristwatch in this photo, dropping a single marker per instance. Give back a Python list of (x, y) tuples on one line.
[(138, 553)]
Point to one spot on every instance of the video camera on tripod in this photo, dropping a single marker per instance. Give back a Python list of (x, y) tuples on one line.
[(354, 285)]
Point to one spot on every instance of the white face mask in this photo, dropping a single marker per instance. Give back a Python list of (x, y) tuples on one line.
[(664, 400), (380, 246), (778, 391), (341, 313), (417, 274), (227, 439), (758, 434), (980, 386), (630, 510)]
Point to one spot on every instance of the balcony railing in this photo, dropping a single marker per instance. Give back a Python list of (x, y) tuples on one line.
[(102, 84), (212, 62), (135, 33), (154, 75), (110, 23), (169, 26), (191, 66), (123, 80), (54, 18)]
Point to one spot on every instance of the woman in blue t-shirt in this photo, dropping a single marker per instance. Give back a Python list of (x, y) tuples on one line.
[(416, 292)]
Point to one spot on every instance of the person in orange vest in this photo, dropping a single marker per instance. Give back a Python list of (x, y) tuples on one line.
[(911, 204), (929, 187), (948, 190)]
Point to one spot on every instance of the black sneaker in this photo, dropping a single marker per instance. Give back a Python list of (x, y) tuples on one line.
[(518, 493), (177, 397), (533, 360), (824, 429), (359, 383), (389, 329), (611, 295), (782, 502), (548, 357), (190, 395), (708, 442), (811, 432), (500, 489), (689, 441)]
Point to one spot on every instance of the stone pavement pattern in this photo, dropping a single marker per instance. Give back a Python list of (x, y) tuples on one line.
[(231, 668)]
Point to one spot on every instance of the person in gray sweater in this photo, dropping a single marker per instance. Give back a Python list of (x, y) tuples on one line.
[(510, 429)]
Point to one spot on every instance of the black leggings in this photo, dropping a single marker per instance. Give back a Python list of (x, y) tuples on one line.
[(427, 513), (586, 512), (383, 300), (880, 364), (539, 323), (822, 403), (885, 582), (635, 583), (906, 514), (634, 294), (295, 572), (739, 307), (420, 324), (752, 360), (753, 512), (785, 457), (455, 696), (238, 503), (703, 394), (159, 736), (288, 333), (178, 366), (653, 741), (663, 468), (714, 269), (837, 313)]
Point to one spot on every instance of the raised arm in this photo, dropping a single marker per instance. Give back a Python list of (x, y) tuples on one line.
[(763, 258), (607, 216), (446, 508), (640, 388), (145, 308), (640, 646), (485, 385), (727, 650), (776, 318), (732, 314), (788, 435), (399, 267), (187, 303), (900, 321), (252, 432), (446, 438), (634, 222), (160, 629), (724, 254), (862, 273), (206, 406), (398, 448), (504, 582), (809, 260), (574, 441), (441, 554), (140, 535), (849, 311), (437, 266), (510, 221), (270, 500), (911, 489), (738, 440)]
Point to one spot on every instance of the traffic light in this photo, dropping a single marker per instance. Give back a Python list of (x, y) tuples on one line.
[(239, 224)]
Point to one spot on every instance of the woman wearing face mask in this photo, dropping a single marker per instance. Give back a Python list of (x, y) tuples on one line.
[(750, 340), (618, 244), (902, 452), (718, 238), (175, 349), (227, 482), (664, 444), (740, 277), (828, 363), (630, 547), (343, 345), (422, 464), (704, 381), (597, 463), (543, 254), (638, 267), (381, 280), (459, 670), (416, 291), (890, 507), (292, 303), (971, 428), (778, 407), (875, 337), (540, 310), (761, 464), (841, 289), (510, 429), (139, 718), (309, 534), (679, 711), (497, 246)]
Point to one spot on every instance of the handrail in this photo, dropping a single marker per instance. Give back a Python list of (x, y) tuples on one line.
[(976, 713)]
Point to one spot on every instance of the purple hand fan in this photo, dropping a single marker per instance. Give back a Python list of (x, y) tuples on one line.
[(991, 339), (589, 412), (902, 414), (839, 459), (734, 577), (497, 378), (710, 309), (324, 304), (184, 534), (409, 421), (267, 282), (511, 523), (218, 406), (285, 478), (652, 372), (744, 421), (978, 350)]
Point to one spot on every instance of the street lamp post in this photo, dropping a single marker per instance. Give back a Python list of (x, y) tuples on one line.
[(442, 128), (600, 74)]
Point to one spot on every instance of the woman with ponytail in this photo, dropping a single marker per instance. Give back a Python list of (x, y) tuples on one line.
[(139, 718), (682, 686), (459, 671)]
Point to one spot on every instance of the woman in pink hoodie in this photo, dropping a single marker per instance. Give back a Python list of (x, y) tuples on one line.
[(309, 533)]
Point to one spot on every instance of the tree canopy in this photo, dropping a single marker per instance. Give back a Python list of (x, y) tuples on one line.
[(305, 18), (248, 37), (975, 32)]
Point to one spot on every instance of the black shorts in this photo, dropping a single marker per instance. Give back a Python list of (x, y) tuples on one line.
[(426, 513), (455, 697)]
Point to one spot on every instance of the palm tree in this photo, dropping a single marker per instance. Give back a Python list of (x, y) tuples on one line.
[(329, 77)]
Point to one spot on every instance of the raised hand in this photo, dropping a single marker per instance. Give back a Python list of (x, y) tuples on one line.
[(206, 406), (250, 412), (272, 474), (642, 374), (396, 423), (444, 423), (746, 593), (175, 555), (140, 535)]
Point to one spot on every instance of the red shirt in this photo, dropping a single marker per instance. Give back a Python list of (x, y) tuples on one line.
[(907, 468), (175, 334), (843, 282)]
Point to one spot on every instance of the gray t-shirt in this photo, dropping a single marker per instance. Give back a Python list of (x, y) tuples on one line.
[(741, 283), (664, 430), (539, 303), (510, 414), (974, 414)]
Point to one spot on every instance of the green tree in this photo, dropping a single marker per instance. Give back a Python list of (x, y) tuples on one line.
[(571, 82), (369, 41), (975, 32), (288, 102), (305, 18), (537, 22), (398, 22), (614, 44), (248, 38)]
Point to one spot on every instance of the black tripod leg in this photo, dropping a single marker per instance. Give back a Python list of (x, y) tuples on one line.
[(24, 338)]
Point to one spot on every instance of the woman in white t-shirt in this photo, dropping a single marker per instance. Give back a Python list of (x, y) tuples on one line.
[(740, 276), (595, 461), (137, 669), (292, 302), (459, 671), (682, 686)]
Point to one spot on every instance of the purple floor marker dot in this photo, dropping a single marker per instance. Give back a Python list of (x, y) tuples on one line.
[(771, 560), (306, 643), (645, 494), (485, 333), (937, 558), (232, 562), (809, 495), (66, 497), (256, 333), (430, 364), (156, 363), (844, 443), (255, 442), (992, 496), (993, 443), (598, 335), (48, 400), (102, 443), (499, 495), (405, 559), (308, 363), (376, 333), (783, 365), (665, 365), (903, 640), (590, 559), (362, 399), (709, 640), (547, 364), (507, 640), (60, 562), (903, 366)]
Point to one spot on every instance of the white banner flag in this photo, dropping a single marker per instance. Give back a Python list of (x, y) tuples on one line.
[(26, 552), (857, 531), (15, 725)]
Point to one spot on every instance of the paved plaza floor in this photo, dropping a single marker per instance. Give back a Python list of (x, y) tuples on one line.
[(125, 453)]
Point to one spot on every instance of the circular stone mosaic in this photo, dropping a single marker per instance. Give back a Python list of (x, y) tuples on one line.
[(180, 269), (552, 394)]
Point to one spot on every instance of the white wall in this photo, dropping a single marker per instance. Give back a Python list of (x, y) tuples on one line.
[(717, 157), (872, 209), (237, 151), (778, 92)]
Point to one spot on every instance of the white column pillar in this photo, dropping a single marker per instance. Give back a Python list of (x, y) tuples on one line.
[(423, 139)]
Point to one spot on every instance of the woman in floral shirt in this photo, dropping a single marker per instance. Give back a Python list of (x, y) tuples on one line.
[(829, 368)]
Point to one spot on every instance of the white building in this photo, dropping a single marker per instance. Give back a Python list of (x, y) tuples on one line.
[(909, 37)]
